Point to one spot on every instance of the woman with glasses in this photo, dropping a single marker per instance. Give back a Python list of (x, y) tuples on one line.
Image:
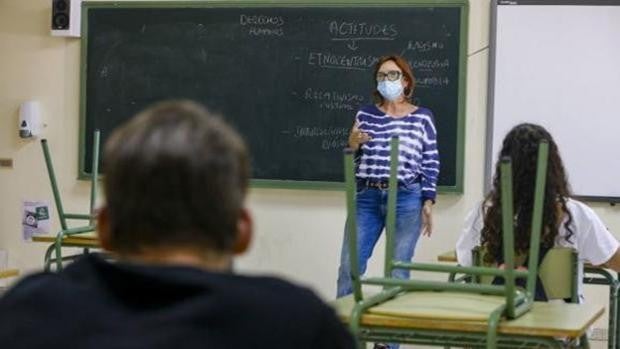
[(418, 168)]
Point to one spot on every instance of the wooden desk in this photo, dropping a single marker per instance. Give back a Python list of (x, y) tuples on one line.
[(8, 273), (449, 256), (454, 313), (607, 279), (83, 240)]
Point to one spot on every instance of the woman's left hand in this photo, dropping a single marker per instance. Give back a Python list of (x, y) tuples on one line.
[(427, 218)]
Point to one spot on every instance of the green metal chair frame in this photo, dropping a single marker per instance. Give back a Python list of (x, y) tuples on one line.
[(558, 273), (605, 277), (56, 247), (517, 301)]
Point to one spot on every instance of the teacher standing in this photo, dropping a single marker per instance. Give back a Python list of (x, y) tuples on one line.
[(393, 114)]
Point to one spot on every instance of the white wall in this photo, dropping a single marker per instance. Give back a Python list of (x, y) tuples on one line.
[(563, 87), (299, 233)]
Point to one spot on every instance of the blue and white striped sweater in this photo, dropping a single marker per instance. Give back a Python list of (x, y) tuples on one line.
[(418, 155)]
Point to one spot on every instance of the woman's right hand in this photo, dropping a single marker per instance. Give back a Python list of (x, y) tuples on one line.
[(357, 138)]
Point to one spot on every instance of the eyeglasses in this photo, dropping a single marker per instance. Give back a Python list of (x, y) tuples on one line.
[(391, 75)]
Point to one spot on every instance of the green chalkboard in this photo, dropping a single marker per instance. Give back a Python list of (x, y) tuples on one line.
[(288, 76)]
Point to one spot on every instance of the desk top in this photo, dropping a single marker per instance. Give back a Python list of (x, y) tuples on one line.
[(81, 240), (449, 256), (7, 273), (451, 311)]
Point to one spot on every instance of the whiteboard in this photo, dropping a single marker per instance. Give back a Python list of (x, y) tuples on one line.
[(557, 64)]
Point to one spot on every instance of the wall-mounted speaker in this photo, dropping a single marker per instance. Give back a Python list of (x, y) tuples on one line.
[(66, 16)]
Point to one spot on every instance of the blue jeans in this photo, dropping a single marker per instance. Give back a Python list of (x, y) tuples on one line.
[(371, 214)]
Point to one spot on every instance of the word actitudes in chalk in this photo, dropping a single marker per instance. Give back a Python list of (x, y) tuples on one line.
[(262, 25), (340, 61), (344, 29), (334, 100)]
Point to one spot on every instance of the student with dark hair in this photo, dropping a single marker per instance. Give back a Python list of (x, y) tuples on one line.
[(175, 184), (566, 221)]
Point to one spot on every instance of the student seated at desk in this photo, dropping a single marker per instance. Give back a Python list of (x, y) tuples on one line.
[(175, 183), (566, 221)]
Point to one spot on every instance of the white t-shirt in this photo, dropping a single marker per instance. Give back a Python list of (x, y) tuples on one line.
[(591, 239)]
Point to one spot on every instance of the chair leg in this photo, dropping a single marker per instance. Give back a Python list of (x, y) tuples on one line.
[(614, 315), (47, 261), (58, 249), (584, 342), (451, 277), (612, 333)]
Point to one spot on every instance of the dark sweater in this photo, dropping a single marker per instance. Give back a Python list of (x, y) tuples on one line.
[(97, 304)]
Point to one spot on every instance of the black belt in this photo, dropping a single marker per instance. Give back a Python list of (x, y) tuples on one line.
[(375, 184), (379, 184)]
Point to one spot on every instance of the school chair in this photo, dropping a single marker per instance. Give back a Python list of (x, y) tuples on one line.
[(557, 272), (65, 232), (460, 314)]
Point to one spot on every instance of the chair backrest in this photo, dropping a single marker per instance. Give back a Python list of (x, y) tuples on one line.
[(558, 272), (517, 301), (559, 275), (62, 216)]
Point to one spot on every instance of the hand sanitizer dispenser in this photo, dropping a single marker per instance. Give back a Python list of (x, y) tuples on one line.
[(30, 119)]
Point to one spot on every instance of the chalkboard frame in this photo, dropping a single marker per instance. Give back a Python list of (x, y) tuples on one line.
[(463, 6)]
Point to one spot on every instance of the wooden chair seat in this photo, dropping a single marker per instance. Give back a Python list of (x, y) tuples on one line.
[(451, 311), (441, 305)]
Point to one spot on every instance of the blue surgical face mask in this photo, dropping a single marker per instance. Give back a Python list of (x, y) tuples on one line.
[(390, 90)]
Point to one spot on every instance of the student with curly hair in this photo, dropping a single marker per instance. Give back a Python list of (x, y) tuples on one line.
[(566, 221)]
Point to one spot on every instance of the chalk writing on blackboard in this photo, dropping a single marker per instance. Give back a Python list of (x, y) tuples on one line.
[(424, 46), (341, 61), (289, 78), (334, 100), (433, 81), (352, 32), (262, 25), (430, 64), (330, 137)]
